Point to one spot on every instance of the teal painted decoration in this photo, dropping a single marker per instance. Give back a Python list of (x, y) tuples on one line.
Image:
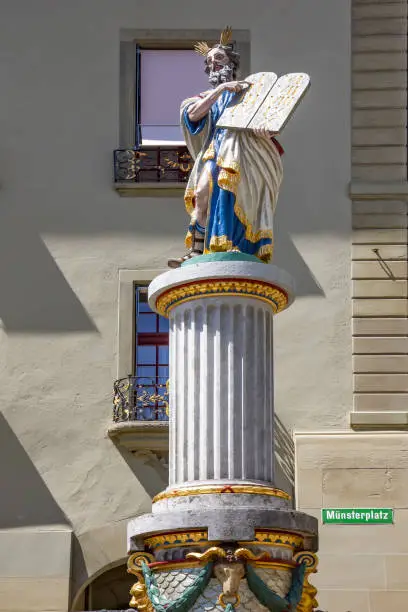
[(230, 256)]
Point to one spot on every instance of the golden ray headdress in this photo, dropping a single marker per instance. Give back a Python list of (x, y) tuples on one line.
[(202, 47)]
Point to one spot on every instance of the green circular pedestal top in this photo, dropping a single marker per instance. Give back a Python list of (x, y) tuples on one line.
[(222, 256)]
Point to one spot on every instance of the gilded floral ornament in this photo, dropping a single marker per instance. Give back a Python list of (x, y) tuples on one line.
[(275, 296), (184, 164), (277, 538), (222, 489), (173, 540)]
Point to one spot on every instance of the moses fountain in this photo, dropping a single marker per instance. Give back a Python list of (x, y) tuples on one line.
[(222, 536)]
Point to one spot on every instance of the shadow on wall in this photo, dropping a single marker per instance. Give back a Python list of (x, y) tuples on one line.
[(284, 458), (36, 297), (25, 499), (154, 479), (50, 189), (111, 589), (287, 256)]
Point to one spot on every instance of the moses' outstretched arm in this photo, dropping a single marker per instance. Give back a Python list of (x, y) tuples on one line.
[(199, 109)]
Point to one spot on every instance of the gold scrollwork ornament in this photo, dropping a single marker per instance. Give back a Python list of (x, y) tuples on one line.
[(308, 600), (215, 552), (184, 165), (140, 599)]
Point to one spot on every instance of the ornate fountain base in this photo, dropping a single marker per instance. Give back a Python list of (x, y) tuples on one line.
[(231, 513), (234, 548), (222, 536)]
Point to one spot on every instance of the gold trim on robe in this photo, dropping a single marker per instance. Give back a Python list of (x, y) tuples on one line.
[(250, 168)]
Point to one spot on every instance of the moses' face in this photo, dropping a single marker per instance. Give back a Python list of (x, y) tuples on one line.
[(217, 59), (219, 66)]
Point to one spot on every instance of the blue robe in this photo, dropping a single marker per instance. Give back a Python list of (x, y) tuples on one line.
[(227, 227)]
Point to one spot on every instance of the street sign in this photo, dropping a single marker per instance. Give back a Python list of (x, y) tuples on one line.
[(358, 516)]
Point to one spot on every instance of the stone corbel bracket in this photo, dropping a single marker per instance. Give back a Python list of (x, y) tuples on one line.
[(147, 440)]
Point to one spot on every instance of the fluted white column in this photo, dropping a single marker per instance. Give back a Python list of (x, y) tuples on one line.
[(221, 408), (221, 371)]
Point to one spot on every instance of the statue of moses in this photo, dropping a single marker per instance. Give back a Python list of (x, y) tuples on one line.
[(234, 184)]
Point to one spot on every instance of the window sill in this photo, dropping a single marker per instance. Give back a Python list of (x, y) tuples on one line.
[(143, 190), (162, 143), (141, 435), (379, 420)]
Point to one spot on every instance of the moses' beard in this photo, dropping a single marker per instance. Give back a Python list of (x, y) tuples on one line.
[(221, 76)]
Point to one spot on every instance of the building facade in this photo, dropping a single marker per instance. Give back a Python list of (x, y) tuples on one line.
[(82, 235)]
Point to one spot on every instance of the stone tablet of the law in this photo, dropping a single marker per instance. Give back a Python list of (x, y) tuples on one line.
[(243, 107), (268, 102)]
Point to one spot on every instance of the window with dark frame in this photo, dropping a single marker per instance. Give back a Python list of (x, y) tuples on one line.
[(151, 358), (156, 75), (164, 78)]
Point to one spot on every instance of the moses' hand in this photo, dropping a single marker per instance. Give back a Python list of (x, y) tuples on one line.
[(234, 86), (262, 133)]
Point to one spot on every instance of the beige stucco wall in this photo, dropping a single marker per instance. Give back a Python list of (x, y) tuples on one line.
[(65, 234), (35, 568), (362, 567)]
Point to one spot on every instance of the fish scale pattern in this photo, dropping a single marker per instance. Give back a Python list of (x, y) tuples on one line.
[(172, 584), (249, 602), (208, 601), (278, 580)]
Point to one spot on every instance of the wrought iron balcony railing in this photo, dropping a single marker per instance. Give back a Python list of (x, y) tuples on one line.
[(152, 165), (141, 398)]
